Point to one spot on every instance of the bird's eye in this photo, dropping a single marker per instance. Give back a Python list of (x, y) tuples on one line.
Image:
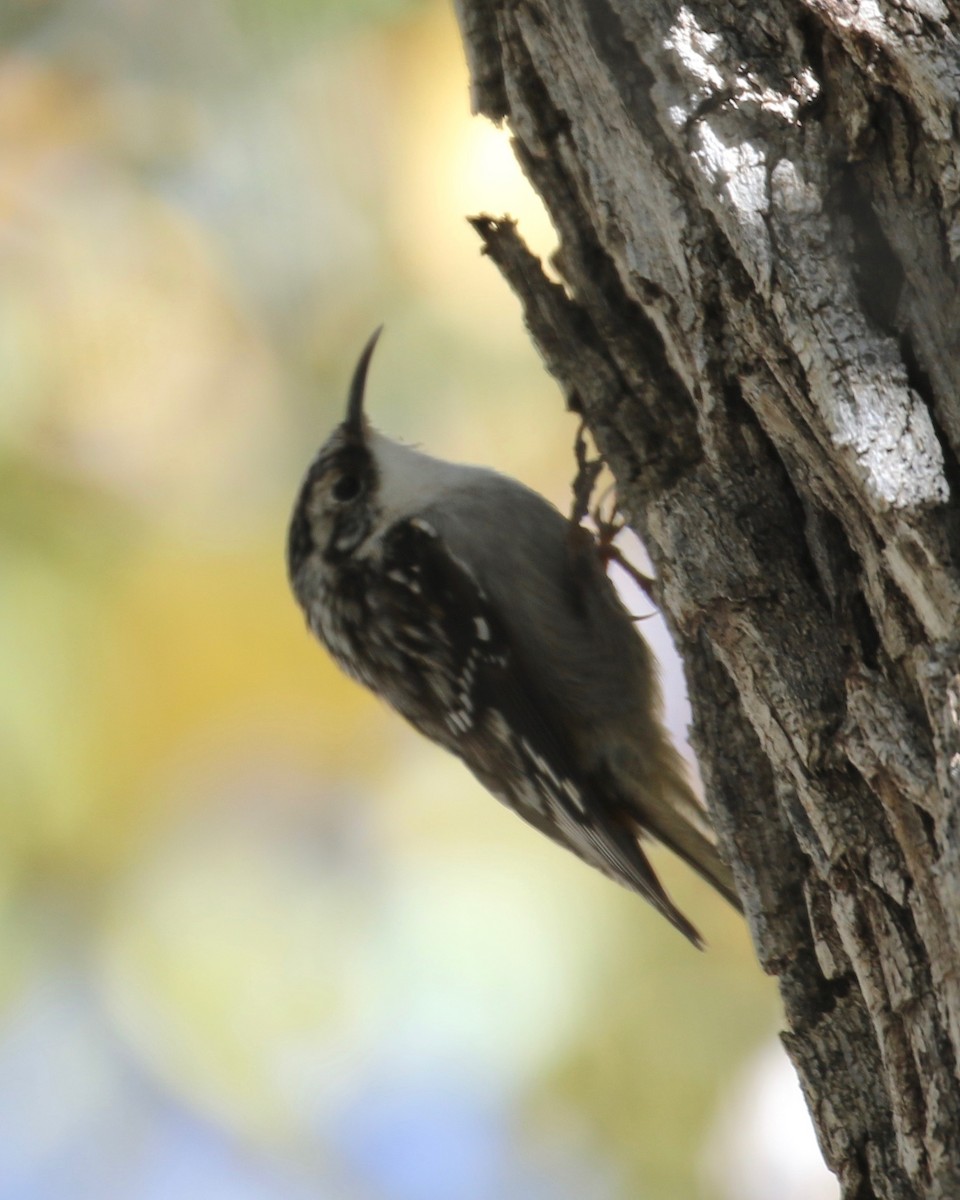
[(346, 488)]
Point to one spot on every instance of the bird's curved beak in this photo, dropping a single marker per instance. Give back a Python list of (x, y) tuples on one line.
[(353, 423)]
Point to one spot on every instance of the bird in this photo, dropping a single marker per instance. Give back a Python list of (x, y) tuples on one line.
[(486, 619)]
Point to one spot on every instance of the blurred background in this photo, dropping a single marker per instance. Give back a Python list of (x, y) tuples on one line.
[(257, 940)]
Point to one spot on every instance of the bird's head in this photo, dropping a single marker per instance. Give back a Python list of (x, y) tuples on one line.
[(337, 507)]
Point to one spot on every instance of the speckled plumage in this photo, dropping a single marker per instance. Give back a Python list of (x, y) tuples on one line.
[(486, 619)]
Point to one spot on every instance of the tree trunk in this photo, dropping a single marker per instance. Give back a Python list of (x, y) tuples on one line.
[(758, 210)]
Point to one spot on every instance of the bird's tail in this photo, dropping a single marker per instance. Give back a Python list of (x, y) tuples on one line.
[(677, 819)]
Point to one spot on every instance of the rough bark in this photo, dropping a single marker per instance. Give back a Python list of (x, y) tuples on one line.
[(755, 305)]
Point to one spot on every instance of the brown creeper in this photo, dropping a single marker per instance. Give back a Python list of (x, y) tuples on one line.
[(485, 617)]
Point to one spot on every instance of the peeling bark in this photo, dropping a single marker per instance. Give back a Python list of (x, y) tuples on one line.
[(756, 308)]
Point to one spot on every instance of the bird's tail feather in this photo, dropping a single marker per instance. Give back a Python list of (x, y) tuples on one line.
[(680, 822)]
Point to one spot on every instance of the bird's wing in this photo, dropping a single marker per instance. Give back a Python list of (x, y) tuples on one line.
[(453, 656)]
